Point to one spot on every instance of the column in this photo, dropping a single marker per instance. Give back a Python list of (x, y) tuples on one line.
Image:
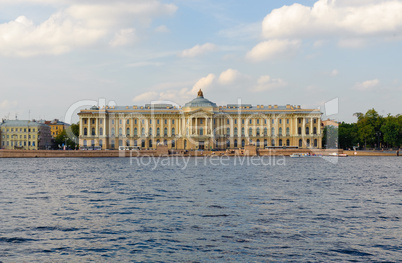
[(89, 126), (97, 127), (304, 127), (212, 127), (104, 127), (81, 127), (196, 126)]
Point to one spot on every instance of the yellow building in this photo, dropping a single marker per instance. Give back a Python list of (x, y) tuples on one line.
[(200, 124), (56, 126), (23, 134)]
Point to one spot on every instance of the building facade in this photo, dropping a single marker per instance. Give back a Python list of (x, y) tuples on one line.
[(24, 134), (56, 126), (200, 124)]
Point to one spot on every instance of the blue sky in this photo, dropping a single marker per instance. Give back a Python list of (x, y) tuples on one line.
[(54, 53)]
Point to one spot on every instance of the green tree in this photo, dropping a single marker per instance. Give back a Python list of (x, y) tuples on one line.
[(62, 138), (348, 135), (392, 131)]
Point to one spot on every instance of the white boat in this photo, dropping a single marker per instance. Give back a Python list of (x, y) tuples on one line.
[(302, 155)]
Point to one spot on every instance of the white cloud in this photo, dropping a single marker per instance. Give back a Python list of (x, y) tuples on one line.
[(123, 37), (162, 29), (367, 85), (79, 24), (146, 97), (272, 49), (198, 50), (228, 76), (334, 73), (5, 104), (267, 83), (203, 84), (332, 18)]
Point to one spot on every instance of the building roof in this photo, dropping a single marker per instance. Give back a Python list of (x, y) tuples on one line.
[(21, 123), (200, 101)]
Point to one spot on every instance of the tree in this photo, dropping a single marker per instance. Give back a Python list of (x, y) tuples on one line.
[(392, 131), (62, 138), (348, 135)]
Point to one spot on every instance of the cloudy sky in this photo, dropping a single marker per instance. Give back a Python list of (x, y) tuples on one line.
[(54, 53)]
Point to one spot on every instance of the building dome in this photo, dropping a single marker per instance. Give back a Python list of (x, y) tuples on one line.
[(200, 102)]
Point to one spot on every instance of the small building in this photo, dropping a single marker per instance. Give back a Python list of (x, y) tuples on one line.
[(56, 126), (24, 134), (329, 122)]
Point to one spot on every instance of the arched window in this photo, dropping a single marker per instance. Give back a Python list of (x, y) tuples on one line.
[(272, 142), (235, 131), (101, 131), (158, 142), (165, 132), (258, 143), (228, 144), (120, 142), (258, 131), (315, 143), (299, 130), (120, 131), (228, 131), (100, 143), (93, 131), (158, 132), (307, 130), (250, 132), (173, 144), (287, 142), (164, 142), (235, 143), (127, 142), (85, 131), (112, 131), (85, 143), (150, 132), (112, 144), (315, 130), (142, 132), (143, 143), (287, 131), (280, 142), (150, 143), (201, 131), (300, 143), (280, 131), (265, 131), (135, 132), (185, 144), (242, 132), (128, 131), (272, 131), (308, 142), (265, 143), (243, 143), (135, 142), (173, 132)]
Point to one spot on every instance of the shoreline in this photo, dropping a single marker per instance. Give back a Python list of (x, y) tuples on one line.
[(141, 153)]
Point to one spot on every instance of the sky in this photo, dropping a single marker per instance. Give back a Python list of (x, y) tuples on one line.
[(57, 53)]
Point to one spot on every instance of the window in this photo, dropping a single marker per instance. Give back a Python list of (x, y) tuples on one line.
[(112, 131), (172, 121), (235, 143), (135, 121), (185, 144), (235, 131), (228, 144), (142, 132), (258, 121), (243, 143), (300, 143), (85, 143), (308, 142), (272, 142), (85, 132), (120, 131), (242, 121), (258, 143), (100, 121), (158, 132), (119, 121), (173, 132), (307, 131), (201, 131), (150, 121), (272, 131), (157, 121), (150, 143), (315, 130), (165, 133), (265, 131), (143, 121), (287, 121), (128, 121), (287, 142), (300, 120), (299, 131), (143, 143), (93, 131), (93, 121), (250, 132), (315, 120), (173, 144), (258, 131), (165, 121), (287, 131), (135, 142), (250, 121), (227, 121), (112, 121), (135, 132), (280, 142), (315, 143), (265, 143), (120, 142), (128, 131), (280, 121), (200, 121), (273, 121), (100, 143), (280, 131), (85, 122), (150, 131), (92, 143), (158, 142), (227, 131), (242, 131)]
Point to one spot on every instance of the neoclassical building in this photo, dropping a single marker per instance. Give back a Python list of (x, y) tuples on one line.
[(200, 124)]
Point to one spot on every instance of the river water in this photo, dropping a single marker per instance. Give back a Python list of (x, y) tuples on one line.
[(201, 210)]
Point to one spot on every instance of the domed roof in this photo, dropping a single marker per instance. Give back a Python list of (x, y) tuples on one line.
[(200, 101)]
